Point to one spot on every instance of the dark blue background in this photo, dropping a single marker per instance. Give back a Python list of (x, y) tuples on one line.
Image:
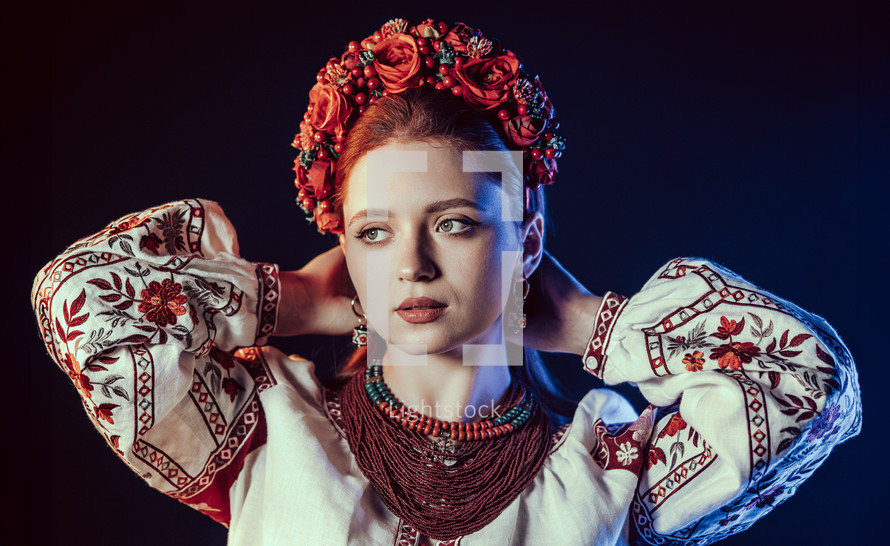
[(755, 136)]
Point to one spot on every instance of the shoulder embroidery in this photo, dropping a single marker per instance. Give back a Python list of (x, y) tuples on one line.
[(332, 410)]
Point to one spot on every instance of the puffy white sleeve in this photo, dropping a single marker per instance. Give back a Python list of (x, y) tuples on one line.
[(748, 394), (142, 317)]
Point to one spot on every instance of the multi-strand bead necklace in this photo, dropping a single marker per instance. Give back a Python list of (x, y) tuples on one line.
[(510, 420), (444, 491)]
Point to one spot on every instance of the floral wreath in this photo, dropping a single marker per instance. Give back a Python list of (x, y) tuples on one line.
[(449, 57)]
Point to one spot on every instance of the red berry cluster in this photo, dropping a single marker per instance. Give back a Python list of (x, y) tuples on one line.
[(401, 56)]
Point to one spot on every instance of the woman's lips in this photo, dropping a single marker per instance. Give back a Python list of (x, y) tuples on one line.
[(420, 310)]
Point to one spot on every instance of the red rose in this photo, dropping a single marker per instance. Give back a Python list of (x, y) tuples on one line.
[(328, 109), (487, 82), (524, 130), (329, 222), (542, 172), (397, 62), (318, 180), (458, 37)]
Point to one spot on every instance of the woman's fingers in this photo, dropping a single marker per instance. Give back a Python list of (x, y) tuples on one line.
[(316, 298), (559, 309)]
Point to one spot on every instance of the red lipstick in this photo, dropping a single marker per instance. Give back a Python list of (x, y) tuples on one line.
[(420, 310)]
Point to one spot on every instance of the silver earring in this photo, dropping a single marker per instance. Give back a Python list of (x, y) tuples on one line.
[(360, 332)]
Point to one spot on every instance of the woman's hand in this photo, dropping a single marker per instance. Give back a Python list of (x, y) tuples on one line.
[(316, 299), (560, 311)]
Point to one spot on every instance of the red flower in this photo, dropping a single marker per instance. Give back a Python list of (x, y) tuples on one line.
[(103, 412), (694, 362), (318, 180), (328, 109), (428, 29), (733, 355), (81, 381), (151, 241), (524, 130), (128, 224), (397, 62), (675, 425), (729, 328), (224, 359), (487, 82), (162, 303), (458, 37), (330, 221), (542, 172), (655, 454), (232, 388)]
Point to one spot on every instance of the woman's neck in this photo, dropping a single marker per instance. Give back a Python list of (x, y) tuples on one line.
[(444, 388)]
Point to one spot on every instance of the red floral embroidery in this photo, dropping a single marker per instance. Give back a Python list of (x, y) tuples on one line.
[(729, 328), (162, 302), (675, 425), (128, 224), (656, 454), (151, 242), (733, 355), (81, 381), (694, 362), (232, 388), (103, 412)]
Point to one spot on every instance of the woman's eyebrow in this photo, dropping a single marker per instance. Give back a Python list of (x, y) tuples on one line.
[(437, 206), (364, 213), (446, 204)]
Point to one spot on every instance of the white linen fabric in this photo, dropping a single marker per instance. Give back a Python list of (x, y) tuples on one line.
[(159, 323)]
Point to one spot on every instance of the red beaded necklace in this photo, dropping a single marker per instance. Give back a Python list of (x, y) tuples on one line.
[(442, 490)]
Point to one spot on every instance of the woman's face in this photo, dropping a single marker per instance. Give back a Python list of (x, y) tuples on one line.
[(426, 260)]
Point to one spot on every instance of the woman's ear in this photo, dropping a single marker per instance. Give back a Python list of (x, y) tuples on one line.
[(342, 239), (532, 243)]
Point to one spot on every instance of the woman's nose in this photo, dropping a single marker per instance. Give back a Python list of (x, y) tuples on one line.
[(415, 263)]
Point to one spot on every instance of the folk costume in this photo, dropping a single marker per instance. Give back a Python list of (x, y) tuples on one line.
[(162, 327), (748, 395)]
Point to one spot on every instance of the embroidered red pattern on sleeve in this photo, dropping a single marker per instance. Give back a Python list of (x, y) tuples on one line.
[(267, 303), (123, 304), (729, 329)]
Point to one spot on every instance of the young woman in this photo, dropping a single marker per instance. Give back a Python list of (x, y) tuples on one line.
[(429, 435)]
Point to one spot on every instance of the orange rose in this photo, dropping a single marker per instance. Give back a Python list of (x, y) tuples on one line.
[(397, 62), (328, 109), (487, 82), (329, 222)]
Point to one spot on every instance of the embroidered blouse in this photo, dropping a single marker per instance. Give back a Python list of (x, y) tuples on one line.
[(161, 325)]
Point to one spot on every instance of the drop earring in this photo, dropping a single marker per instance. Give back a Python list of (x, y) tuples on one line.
[(360, 332), (517, 321)]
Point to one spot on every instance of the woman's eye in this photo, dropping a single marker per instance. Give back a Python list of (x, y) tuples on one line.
[(372, 235), (453, 226)]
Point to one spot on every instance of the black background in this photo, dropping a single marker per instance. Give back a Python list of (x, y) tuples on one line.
[(753, 135)]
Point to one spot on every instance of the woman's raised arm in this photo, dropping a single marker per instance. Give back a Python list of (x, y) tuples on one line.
[(748, 394), (142, 317)]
